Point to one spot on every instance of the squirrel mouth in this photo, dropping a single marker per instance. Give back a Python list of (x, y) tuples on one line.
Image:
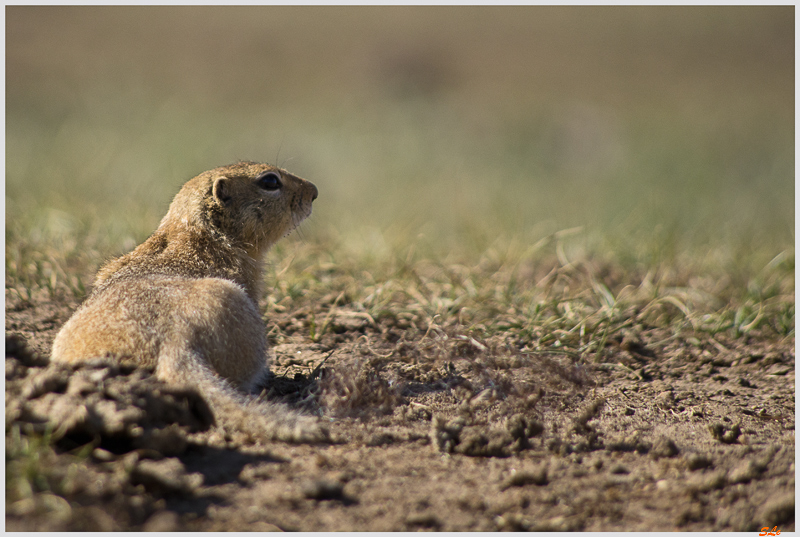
[(298, 216), (301, 215)]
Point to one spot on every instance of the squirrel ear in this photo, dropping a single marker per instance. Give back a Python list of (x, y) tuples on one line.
[(221, 190)]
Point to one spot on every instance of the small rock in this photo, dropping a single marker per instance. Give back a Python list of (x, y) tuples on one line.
[(95, 519), (14, 369), (17, 347), (714, 481), (725, 434), (170, 441), (111, 418), (163, 521), (80, 385), (746, 383), (520, 479), (696, 461), (666, 399), (165, 476), (100, 454), (693, 513), (619, 469), (631, 442), (558, 523), (746, 472), (475, 442), (512, 522), (445, 434), (350, 322), (323, 489), (48, 380), (664, 447), (425, 520), (380, 439), (777, 511), (589, 412), (521, 427)]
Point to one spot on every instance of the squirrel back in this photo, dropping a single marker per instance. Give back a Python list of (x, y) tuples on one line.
[(185, 301)]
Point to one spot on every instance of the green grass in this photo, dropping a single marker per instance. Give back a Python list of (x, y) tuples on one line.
[(555, 173), (30, 471)]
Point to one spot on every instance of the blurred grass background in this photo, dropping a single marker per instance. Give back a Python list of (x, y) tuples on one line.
[(666, 134)]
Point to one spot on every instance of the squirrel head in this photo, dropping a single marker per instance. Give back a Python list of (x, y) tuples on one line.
[(250, 205)]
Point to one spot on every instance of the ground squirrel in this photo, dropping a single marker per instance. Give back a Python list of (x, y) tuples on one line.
[(185, 300)]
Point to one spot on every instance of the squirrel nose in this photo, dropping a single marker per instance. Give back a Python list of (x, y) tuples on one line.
[(314, 191)]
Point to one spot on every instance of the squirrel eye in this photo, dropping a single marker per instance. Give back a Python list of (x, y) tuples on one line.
[(269, 181)]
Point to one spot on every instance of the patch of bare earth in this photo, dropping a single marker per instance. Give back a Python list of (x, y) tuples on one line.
[(433, 429)]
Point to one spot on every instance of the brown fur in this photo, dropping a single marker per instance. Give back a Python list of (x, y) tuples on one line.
[(185, 300)]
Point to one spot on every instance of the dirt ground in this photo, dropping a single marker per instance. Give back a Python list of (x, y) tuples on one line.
[(433, 430)]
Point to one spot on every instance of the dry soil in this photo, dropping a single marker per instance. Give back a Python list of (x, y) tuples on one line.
[(432, 429)]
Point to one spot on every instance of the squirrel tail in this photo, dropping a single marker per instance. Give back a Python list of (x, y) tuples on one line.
[(237, 412)]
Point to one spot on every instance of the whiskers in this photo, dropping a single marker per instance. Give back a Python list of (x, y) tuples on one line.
[(298, 219), (278, 163)]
